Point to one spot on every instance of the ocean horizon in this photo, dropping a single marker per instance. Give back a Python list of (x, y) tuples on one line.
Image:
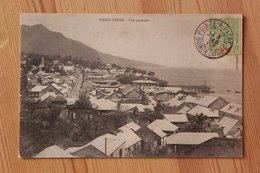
[(224, 82)]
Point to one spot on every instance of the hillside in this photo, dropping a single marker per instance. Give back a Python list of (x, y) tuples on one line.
[(39, 39)]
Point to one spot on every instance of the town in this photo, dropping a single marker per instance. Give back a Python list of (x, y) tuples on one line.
[(76, 108)]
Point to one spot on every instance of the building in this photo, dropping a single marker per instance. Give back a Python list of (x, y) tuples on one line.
[(163, 96), (68, 68), (104, 106), (174, 105), (132, 96), (150, 140), (232, 110), (144, 83), (53, 152), (212, 102), (58, 102), (107, 145), (185, 141), (162, 128), (178, 119), (198, 110), (76, 112), (132, 140), (39, 91), (232, 128)]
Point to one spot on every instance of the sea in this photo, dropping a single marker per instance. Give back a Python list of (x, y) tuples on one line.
[(225, 83)]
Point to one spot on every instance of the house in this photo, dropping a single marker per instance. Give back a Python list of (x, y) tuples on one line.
[(173, 90), (132, 96), (230, 126), (197, 110), (114, 96), (58, 102), (221, 147), (190, 101), (144, 83), (184, 110), (177, 119), (100, 93), (47, 95), (107, 145), (76, 112), (39, 91), (186, 141), (126, 107), (162, 128), (232, 110), (174, 105), (150, 140), (132, 140), (103, 81), (53, 152), (104, 106), (68, 68), (212, 102), (163, 96)]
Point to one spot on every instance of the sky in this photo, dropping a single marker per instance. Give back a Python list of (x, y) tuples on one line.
[(166, 40)]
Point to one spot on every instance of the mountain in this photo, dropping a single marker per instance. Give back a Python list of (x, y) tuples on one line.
[(39, 39)]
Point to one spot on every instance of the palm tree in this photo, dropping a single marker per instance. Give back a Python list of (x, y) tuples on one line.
[(197, 123)]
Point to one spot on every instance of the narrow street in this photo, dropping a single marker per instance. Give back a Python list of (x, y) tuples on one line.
[(75, 91)]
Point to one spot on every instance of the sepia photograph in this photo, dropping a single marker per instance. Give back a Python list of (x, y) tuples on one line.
[(131, 85)]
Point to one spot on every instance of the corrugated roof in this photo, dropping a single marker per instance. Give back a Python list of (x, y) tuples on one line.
[(38, 88), (178, 118), (190, 138), (174, 102), (207, 100), (233, 108), (112, 144), (184, 110), (145, 81), (130, 125), (227, 123), (160, 125), (203, 110), (47, 95), (129, 136), (103, 104), (53, 152), (140, 107)]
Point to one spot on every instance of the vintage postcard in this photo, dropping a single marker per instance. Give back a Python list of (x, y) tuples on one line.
[(131, 85)]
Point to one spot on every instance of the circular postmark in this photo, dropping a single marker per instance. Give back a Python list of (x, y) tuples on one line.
[(213, 38)]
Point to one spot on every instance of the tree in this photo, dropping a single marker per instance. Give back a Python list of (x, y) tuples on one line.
[(83, 101), (198, 123), (150, 73)]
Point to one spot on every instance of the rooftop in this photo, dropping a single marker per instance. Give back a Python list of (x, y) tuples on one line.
[(53, 152), (233, 108), (47, 95), (103, 104), (129, 136), (145, 81), (190, 138), (178, 118), (203, 110), (174, 102), (38, 88), (207, 100), (227, 123), (130, 125), (112, 144), (159, 127)]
